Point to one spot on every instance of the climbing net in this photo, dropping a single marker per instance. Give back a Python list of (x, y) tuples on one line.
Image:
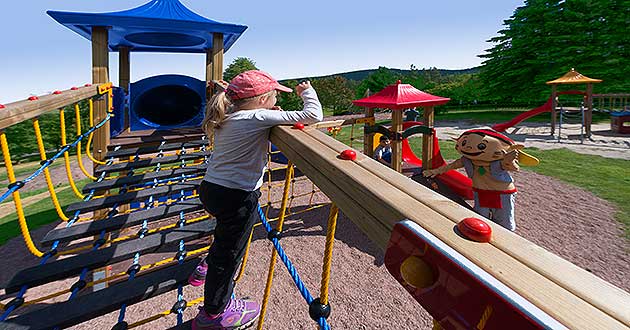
[(100, 205)]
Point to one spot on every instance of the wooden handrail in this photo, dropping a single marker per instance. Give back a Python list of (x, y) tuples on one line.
[(375, 198), (17, 112)]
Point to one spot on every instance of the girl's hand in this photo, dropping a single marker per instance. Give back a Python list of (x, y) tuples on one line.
[(277, 107), (301, 87)]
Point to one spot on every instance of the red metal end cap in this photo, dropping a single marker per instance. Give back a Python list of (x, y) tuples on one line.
[(87, 85), (398, 81), (475, 229), (348, 155), (74, 88), (33, 98), (1, 106), (57, 92), (298, 126)]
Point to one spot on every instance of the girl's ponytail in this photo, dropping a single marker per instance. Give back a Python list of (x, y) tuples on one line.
[(216, 109)]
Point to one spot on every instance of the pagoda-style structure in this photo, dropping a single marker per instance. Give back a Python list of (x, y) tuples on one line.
[(574, 77), (399, 97)]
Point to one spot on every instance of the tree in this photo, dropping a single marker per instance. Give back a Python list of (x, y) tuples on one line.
[(239, 65), (335, 93), (376, 81)]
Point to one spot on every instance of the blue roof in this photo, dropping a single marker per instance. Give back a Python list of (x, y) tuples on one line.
[(157, 26)]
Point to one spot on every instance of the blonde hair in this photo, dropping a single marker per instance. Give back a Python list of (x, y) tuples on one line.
[(220, 105)]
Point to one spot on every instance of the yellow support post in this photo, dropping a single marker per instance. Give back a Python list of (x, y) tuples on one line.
[(16, 198), (66, 156), (42, 154)]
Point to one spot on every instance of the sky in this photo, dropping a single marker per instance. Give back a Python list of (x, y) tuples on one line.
[(288, 39)]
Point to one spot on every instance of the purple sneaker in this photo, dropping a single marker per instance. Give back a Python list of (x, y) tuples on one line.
[(239, 314), (198, 277)]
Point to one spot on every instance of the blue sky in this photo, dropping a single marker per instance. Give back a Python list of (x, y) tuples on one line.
[(286, 38)]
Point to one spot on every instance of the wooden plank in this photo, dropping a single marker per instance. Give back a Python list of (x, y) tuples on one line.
[(86, 229), (390, 204), (140, 195), (396, 144), (579, 282), (150, 162), (326, 124), (17, 112), (131, 181), (124, 152), (100, 75), (217, 56), (72, 266), (89, 306), (368, 138), (147, 137), (427, 140)]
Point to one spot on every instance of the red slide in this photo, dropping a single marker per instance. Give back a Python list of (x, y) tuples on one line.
[(456, 181), (528, 114)]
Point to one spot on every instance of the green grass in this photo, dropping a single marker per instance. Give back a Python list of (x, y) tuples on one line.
[(37, 214)]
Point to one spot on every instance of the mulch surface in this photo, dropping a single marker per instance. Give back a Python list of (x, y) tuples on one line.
[(563, 219)]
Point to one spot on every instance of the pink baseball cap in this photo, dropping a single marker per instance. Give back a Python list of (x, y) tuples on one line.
[(251, 83)]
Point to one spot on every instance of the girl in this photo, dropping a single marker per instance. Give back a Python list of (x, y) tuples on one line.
[(240, 119)]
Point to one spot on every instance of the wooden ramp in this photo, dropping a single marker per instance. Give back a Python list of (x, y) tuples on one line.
[(375, 198)]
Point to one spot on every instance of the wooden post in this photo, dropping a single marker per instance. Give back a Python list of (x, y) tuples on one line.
[(217, 56), (209, 91), (100, 75), (554, 104), (368, 138), (124, 78), (589, 108), (427, 140), (397, 120)]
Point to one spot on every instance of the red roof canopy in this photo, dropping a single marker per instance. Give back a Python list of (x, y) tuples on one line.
[(400, 96)]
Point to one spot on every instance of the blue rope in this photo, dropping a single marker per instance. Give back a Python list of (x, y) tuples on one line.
[(49, 161), (292, 271)]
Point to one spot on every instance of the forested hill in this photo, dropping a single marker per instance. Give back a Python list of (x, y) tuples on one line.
[(362, 74)]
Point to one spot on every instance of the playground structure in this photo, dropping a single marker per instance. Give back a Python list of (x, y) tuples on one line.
[(508, 278), (571, 77)]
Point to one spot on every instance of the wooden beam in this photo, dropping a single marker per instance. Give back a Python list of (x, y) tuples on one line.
[(554, 104), (580, 282), (589, 109), (383, 194), (17, 112), (427, 140), (209, 76), (217, 56), (100, 74), (397, 120), (124, 77)]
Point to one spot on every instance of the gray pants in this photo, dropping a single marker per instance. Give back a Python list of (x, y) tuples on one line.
[(503, 216)]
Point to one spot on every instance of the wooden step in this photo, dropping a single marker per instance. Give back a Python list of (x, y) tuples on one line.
[(72, 266), (89, 306), (150, 162), (130, 181), (126, 152), (140, 195), (91, 228)]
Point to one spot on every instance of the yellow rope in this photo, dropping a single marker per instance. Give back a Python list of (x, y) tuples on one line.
[(16, 197), (66, 156), (484, 318), (42, 154), (330, 239), (77, 115), (89, 141), (272, 262)]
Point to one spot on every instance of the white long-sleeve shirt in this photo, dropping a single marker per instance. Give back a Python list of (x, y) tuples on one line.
[(241, 143)]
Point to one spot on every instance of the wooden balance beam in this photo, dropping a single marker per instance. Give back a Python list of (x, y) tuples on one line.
[(375, 198)]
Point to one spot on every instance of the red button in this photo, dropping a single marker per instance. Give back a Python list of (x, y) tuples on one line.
[(33, 98), (298, 126), (348, 155), (57, 92), (475, 229)]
